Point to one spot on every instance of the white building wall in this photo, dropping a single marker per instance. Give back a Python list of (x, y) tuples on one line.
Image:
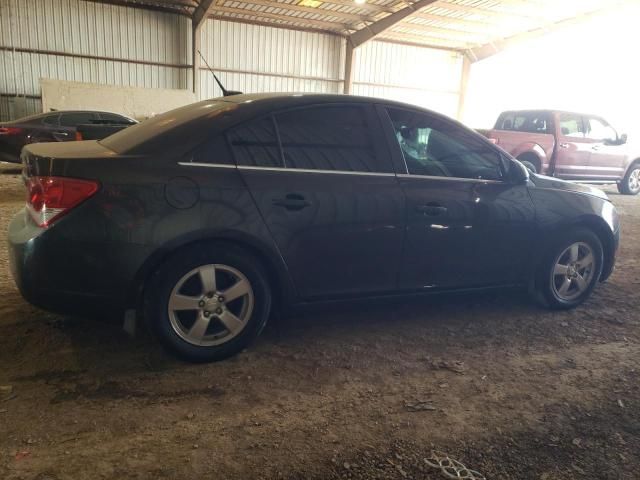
[(127, 46), (254, 58), (420, 76)]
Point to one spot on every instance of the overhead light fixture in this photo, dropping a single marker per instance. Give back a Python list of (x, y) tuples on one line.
[(310, 3), (360, 2)]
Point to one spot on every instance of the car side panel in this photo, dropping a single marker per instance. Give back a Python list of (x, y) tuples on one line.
[(144, 206)]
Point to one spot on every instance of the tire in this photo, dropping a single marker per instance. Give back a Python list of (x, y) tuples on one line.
[(557, 279), (529, 165), (192, 319), (630, 184)]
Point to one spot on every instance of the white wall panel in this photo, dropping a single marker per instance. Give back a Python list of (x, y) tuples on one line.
[(254, 58), (75, 27), (422, 76)]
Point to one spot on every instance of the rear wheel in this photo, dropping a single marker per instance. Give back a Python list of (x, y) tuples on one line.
[(208, 303), (630, 184), (570, 269)]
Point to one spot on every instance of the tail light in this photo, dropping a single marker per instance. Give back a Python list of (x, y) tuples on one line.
[(10, 131), (78, 136), (49, 198)]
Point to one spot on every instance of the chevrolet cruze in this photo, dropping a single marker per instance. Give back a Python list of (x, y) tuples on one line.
[(207, 218)]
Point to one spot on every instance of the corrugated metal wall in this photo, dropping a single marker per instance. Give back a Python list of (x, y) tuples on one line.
[(421, 76), (144, 48), (74, 27), (254, 58)]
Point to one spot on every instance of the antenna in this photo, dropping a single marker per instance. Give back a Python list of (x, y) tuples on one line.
[(225, 92)]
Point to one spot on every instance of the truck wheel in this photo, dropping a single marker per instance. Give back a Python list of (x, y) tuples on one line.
[(570, 269), (208, 302), (630, 184), (529, 161)]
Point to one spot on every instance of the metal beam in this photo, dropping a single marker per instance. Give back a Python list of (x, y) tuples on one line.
[(348, 69), (316, 11), (464, 84), (485, 51), (285, 18), (376, 28), (200, 13)]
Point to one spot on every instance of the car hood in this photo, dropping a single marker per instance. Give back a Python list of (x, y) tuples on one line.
[(541, 181)]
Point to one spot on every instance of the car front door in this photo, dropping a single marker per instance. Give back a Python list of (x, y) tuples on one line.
[(466, 225), (325, 187), (608, 158), (573, 149)]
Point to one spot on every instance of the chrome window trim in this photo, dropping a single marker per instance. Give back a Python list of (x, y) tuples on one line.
[(210, 165), (308, 170), (456, 179)]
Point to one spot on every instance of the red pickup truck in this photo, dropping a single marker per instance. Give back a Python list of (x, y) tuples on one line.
[(571, 146)]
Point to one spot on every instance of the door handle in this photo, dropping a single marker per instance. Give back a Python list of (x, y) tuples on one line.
[(292, 201), (564, 145), (595, 147), (432, 210)]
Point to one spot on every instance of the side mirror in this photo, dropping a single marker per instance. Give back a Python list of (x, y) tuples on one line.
[(518, 173), (623, 138)]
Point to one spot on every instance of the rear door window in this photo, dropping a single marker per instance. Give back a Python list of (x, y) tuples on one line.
[(571, 125), (51, 120), (530, 122), (331, 138), (76, 118), (115, 118), (255, 143)]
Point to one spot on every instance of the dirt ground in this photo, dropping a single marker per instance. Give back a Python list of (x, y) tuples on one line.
[(509, 389)]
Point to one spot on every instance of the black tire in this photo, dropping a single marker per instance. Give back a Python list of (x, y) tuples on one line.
[(545, 291), (529, 165), (163, 281), (625, 186)]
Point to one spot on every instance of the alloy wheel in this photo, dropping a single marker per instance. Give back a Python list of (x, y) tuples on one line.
[(634, 181), (210, 305), (573, 271)]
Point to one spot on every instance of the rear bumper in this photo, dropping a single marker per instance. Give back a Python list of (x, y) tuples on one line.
[(47, 276)]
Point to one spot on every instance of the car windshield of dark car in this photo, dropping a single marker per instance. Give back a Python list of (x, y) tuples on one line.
[(167, 130)]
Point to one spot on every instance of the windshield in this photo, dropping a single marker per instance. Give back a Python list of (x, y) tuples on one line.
[(182, 127)]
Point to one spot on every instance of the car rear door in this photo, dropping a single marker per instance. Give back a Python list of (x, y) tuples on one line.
[(68, 123), (608, 158), (573, 149), (324, 184), (466, 226)]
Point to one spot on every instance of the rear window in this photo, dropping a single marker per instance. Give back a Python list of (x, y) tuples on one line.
[(183, 127), (530, 122)]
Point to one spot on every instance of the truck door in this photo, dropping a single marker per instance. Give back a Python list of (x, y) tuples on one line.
[(607, 159), (573, 149)]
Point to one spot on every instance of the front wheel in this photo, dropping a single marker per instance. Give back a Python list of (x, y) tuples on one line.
[(570, 269), (630, 184), (208, 302)]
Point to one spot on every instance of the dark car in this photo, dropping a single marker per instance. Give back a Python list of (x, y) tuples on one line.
[(209, 217), (60, 126)]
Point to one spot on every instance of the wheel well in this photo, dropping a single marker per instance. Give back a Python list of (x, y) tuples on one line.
[(632, 164), (532, 158), (279, 286), (603, 233)]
